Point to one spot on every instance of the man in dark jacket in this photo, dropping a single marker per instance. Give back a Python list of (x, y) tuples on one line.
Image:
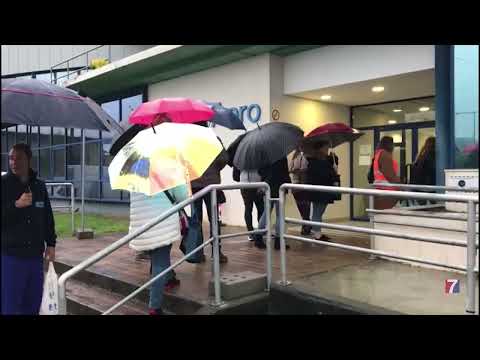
[(27, 226), (210, 176), (275, 175)]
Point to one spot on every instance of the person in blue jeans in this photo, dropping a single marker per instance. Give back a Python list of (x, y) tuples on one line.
[(158, 240), (275, 176), (321, 171), (28, 235)]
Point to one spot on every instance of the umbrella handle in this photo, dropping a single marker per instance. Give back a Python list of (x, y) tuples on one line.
[(153, 128)]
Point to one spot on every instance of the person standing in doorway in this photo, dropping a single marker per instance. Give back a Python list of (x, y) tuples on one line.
[(321, 171), (385, 169), (28, 234), (298, 174), (424, 169)]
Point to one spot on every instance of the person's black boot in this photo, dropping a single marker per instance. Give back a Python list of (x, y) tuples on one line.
[(306, 230), (277, 244), (259, 243)]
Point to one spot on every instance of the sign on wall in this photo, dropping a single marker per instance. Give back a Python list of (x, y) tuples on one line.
[(251, 113)]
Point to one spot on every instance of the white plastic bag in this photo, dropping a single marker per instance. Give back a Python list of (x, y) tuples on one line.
[(50, 293)]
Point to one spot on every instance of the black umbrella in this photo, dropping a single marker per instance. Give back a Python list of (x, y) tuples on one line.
[(39, 103), (119, 140), (225, 117), (266, 145), (233, 148)]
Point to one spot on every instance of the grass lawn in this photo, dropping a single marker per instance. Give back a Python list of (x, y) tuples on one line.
[(100, 224)]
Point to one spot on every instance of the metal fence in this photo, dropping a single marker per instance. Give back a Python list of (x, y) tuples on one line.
[(72, 200), (62, 281), (470, 243)]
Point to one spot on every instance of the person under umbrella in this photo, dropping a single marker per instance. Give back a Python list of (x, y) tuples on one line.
[(211, 176), (275, 176), (298, 172), (265, 149), (157, 168), (321, 171)]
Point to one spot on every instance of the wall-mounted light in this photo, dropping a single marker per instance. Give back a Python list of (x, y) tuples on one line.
[(378, 89), (326, 97)]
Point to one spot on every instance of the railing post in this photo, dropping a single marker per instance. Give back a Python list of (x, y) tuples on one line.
[(283, 250), (83, 180), (216, 251), (267, 210), (72, 204), (371, 205), (471, 259), (62, 298)]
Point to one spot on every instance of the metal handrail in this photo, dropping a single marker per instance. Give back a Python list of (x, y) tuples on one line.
[(174, 209), (471, 244), (72, 200), (450, 216), (75, 57), (425, 187)]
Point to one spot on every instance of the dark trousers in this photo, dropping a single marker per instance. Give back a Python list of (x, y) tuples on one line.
[(250, 197), (22, 285), (303, 205), (197, 212)]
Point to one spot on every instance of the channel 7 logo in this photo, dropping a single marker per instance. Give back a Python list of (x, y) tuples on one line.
[(452, 286)]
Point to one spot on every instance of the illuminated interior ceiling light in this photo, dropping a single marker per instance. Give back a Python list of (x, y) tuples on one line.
[(397, 110), (424, 108), (378, 89), (326, 97), (392, 121)]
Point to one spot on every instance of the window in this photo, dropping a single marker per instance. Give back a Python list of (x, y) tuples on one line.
[(45, 162), (401, 112), (45, 133), (22, 134), (129, 105), (43, 77), (34, 137), (113, 109), (59, 163), (4, 141), (466, 105), (58, 135), (4, 162)]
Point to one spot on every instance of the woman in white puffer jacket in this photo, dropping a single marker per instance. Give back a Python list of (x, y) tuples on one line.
[(158, 240)]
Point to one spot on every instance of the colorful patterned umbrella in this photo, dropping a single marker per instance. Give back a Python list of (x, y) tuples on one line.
[(154, 162)]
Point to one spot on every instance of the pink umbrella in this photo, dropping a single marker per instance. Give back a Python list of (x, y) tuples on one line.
[(178, 110)]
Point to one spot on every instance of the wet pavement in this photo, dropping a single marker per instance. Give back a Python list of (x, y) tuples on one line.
[(391, 285)]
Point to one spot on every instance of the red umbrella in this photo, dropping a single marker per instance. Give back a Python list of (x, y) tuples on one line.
[(334, 133), (178, 110), (470, 149)]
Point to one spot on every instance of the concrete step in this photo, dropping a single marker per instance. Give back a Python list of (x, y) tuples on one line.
[(85, 299), (78, 294)]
